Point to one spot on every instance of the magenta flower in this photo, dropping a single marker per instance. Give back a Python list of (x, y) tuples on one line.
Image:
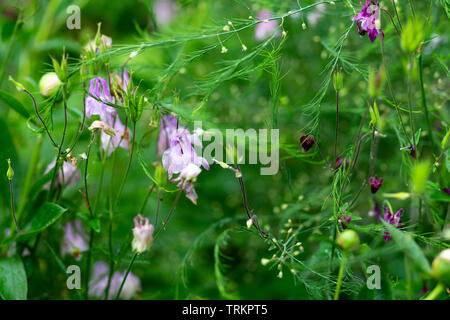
[(375, 183), (74, 240), (143, 234), (266, 28), (68, 176), (307, 142), (393, 219), (345, 221), (99, 282), (368, 20), (446, 190), (187, 179)]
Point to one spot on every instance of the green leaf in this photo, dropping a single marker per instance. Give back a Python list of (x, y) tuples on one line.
[(94, 223), (405, 241), (13, 103), (439, 196), (13, 279), (47, 214)]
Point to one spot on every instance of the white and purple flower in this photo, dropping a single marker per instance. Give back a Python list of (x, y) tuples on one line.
[(393, 219), (143, 234)]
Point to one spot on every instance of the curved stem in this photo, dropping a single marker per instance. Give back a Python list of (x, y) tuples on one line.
[(165, 222), (392, 20), (424, 102), (411, 119)]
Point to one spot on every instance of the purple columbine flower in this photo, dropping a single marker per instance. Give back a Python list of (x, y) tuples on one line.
[(99, 282), (375, 183), (70, 174), (368, 20), (446, 190), (307, 142), (186, 181), (266, 28), (96, 103), (413, 150), (393, 219), (181, 152), (74, 240)]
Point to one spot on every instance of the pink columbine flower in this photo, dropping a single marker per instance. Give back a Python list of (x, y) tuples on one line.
[(70, 174), (266, 28), (375, 183), (393, 219), (143, 234), (186, 181), (74, 240), (97, 103), (368, 20), (99, 282), (413, 150)]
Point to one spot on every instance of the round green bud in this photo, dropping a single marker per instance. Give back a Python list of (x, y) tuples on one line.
[(348, 240), (49, 84), (440, 269)]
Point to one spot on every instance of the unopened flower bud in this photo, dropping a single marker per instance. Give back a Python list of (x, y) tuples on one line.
[(338, 81), (264, 261), (348, 240), (440, 268), (49, 84)]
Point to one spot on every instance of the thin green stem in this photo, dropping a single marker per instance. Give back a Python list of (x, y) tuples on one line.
[(340, 277), (435, 292), (424, 102), (128, 167), (13, 212), (126, 275), (411, 119), (337, 126), (169, 215)]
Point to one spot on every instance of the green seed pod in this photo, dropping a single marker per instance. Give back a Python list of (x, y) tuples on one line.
[(160, 174), (348, 240), (338, 81), (10, 172), (440, 269)]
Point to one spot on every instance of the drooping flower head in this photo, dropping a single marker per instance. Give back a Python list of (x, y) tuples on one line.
[(99, 282), (368, 20), (393, 219), (375, 183), (307, 142), (186, 181), (181, 152), (74, 240), (99, 96), (68, 176), (143, 234), (266, 28)]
